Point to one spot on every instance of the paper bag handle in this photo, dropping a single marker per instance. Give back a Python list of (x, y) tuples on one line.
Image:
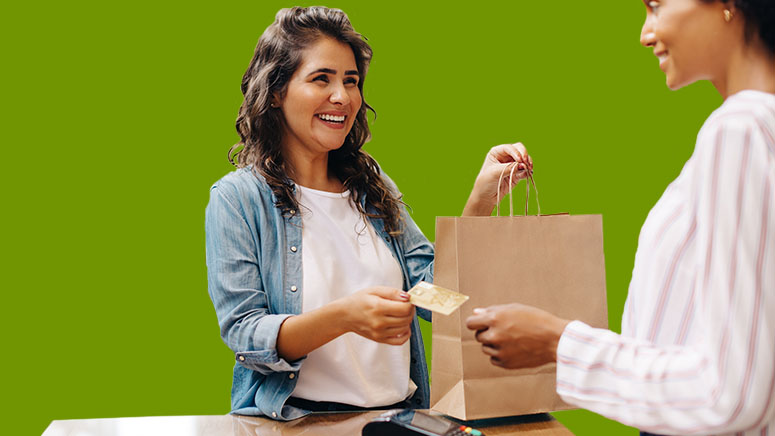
[(529, 180)]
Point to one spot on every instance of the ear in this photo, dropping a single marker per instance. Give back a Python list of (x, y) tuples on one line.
[(730, 6), (276, 101)]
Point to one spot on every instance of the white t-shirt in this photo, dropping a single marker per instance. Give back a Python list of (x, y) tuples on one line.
[(342, 254)]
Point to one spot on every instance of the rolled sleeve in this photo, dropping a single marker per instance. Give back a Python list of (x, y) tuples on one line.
[(263, 357)]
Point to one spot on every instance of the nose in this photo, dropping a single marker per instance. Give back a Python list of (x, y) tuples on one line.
[(647, 36), (339, 95)]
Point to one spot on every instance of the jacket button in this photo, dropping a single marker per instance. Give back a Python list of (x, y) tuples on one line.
[(242, 358), (293, 248), (274, 414), (291, 376), (294, 288)]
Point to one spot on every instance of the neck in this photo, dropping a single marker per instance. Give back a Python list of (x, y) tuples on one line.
[(752, 67), (311, 170)]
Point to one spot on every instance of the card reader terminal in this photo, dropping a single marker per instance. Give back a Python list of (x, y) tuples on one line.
[(409, 422)]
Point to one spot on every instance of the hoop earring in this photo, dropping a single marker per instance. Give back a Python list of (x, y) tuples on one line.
[(728, 15)]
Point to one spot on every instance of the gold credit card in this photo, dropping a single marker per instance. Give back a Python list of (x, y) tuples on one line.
[(435, 298)]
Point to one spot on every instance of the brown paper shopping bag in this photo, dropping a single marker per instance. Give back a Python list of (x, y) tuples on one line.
[(553, 262)]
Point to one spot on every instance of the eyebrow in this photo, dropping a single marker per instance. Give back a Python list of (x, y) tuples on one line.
[(330, 71)]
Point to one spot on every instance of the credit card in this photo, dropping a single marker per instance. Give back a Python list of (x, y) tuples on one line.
[(435, 298)]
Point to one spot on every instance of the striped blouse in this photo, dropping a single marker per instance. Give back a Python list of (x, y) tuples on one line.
[(697, 349)]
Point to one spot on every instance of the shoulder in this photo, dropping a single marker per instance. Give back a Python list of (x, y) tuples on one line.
[(746, 110), (241, 184), (746, 114)]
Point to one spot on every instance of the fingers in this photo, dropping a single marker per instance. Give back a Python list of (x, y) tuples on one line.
[(399, 339), (381, 314), (498, 362), (525, 157), (507, 153), (512, 158), (395, 309), (389, 293), (387, 322), (490, 350), (392, 302), (392, 330), (487, 337), (393, 335), (396, 330), (496, 355), (480, 320)]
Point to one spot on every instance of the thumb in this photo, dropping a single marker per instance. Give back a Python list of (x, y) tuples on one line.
[(391, 293)]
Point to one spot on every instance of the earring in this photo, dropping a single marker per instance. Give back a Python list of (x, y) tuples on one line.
[(727, 15)]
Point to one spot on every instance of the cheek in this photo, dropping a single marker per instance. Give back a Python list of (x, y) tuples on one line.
[(303, 99), (356, 100)]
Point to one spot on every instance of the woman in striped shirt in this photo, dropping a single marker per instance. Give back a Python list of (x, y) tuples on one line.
[(697, 349)]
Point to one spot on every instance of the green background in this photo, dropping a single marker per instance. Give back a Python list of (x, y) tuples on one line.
[(117, 118)]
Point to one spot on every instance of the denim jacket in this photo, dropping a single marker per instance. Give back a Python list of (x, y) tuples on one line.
[(254, 276)]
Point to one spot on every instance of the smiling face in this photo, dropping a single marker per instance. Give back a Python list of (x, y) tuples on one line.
[(690, 38), (322, 98)]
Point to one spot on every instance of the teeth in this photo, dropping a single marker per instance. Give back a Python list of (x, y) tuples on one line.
[(335, 118)]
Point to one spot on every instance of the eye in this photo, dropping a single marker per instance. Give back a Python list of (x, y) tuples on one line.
[(350, 81), (322, 78)]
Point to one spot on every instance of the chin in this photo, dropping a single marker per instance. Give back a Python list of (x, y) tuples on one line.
[(676, 83), (331, 146), (330, 143)]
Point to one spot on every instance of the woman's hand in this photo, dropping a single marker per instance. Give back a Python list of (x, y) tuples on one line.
[(517, 336), (380, 313), (499, 160)]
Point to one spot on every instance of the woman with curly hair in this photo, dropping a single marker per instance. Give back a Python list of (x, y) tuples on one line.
[(309, 247), (697, 349)]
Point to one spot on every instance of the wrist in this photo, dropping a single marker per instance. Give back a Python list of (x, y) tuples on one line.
[(478, 205), (557, 327), (340, 316)]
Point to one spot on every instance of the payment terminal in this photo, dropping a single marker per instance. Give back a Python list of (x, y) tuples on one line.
[(409, 422)]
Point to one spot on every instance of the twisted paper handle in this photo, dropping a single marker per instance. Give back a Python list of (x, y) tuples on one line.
[(529, 180)]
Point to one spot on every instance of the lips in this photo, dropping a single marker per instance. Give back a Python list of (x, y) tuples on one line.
[(332, 120), (662, 57)]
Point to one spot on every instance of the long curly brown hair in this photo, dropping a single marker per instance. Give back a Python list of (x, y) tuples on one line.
[(278, 54)]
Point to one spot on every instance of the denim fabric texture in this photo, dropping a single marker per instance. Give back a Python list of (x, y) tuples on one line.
[(254, 275)]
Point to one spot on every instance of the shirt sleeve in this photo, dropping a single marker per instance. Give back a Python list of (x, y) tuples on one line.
[(234, 284), (724, 381), (419, 256)]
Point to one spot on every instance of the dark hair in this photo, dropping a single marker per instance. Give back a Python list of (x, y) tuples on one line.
[(759, 18), (278, 54)]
